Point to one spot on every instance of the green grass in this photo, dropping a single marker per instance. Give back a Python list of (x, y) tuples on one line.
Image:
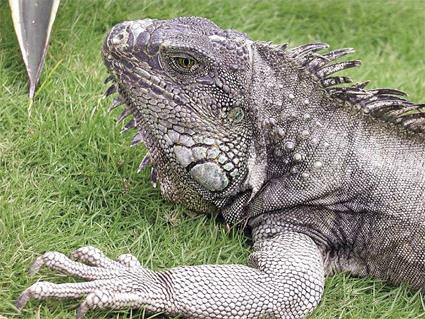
[(67, 177)]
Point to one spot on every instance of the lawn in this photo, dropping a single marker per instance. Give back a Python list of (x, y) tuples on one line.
[(68, 178)]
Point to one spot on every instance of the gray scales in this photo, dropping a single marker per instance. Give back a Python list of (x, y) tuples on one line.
[(328, 176)]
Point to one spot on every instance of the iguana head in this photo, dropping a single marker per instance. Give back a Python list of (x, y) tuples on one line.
[(186, 83)]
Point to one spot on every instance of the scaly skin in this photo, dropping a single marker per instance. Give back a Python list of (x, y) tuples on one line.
[(328, 178)]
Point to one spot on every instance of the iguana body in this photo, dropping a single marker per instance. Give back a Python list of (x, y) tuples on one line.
[(328, 177)]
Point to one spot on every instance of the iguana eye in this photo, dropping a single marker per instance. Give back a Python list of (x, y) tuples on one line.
[(184, 63)]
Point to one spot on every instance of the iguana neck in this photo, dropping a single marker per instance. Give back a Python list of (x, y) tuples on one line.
[(292, 112), (293, 119)]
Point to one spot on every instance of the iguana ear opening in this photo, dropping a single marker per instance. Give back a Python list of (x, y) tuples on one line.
[(236, 115)]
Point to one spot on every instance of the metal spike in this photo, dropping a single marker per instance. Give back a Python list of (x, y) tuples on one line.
[(145, 162), (116, 102), (154, 177), (131, 124), (123, 115), (137, 139), (33, 21), (111, 90), (108, 79)]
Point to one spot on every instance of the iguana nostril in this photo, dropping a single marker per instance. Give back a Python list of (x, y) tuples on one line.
[(117, 39)]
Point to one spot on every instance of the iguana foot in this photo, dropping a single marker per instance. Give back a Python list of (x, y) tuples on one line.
[(111, 284)]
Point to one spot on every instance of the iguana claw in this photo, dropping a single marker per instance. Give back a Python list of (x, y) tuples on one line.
[(120, 283)]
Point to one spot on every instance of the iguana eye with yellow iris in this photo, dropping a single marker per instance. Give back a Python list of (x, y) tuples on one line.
[(185, 63)]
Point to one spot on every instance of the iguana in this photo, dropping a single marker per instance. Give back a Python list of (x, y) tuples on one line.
[(328, 176)]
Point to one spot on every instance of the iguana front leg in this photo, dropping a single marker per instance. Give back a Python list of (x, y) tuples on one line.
[(284, 280)]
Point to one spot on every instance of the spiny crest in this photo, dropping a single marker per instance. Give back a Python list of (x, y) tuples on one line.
[(386, 104), (131, 124)]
